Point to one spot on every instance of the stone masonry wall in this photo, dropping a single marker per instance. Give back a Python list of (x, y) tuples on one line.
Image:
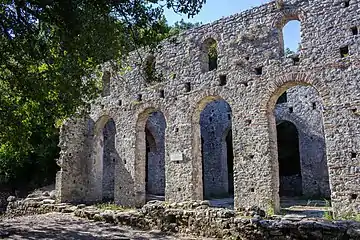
[(250, 59)]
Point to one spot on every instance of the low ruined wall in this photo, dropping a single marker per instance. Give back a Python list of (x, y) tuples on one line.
[(198, 219)]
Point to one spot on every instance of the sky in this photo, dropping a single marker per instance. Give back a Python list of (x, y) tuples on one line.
[(216, 9)]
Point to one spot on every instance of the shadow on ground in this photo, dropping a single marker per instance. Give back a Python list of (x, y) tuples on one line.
[(66, 226)]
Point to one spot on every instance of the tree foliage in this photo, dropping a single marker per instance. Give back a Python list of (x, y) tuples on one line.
[(50, 51), (181, 25)]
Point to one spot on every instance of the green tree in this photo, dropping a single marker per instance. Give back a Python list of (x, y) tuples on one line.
[(50, 51), (288, 52), (181, 25)]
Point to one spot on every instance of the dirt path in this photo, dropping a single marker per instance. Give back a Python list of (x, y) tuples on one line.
[(67, 226)]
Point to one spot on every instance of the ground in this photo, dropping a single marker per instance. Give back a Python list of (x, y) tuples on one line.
[(67, 226)]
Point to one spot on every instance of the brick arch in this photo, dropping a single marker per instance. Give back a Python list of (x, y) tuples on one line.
[(287, 15), (100, 123), (207, 36), (201, 101), (286, 81), (282, 18), (142, 114), (275, 90)]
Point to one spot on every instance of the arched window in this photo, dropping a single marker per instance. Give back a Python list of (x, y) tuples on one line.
[(149, 69), (291, 37), (209, 55), (106, 84)]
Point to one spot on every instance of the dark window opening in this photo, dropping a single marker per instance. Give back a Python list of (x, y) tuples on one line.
[(119, 102), (353, 155), (313, 106), (289, 159), (296, 60), (282, 98), (162, 93), (222, 80), (354, 30), (248, 122), (354, 196), (346, 3), (344, 51), (139, 97), (212, 63), (187, 87), (291, 109), (258, 71), (230, 162)]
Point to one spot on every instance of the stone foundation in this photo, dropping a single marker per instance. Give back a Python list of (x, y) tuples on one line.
[(198, 219)]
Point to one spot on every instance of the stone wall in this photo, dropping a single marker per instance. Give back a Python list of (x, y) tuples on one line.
[(197, 219), (251, 74)]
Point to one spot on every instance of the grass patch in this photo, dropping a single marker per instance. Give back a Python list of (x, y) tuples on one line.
[(328, 215), (110, 206)]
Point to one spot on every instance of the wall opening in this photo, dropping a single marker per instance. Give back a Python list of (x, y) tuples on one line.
[(106, 84), (259, 71), (187, 87), (108, 161), (344, 51), (209, 55), (354, 31), (230, 161), (282, 98), (289, 159), (291, 38), (217, 150), (155, 156), (149, 69), (298, 145)]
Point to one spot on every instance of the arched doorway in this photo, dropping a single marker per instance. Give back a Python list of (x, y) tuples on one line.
[(109, 132), (216, 148), (102, 176), (298, 144), (289, 159), (150, 156), (155, 160)]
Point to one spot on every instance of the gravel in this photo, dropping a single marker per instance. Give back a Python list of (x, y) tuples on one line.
[(67, 226)]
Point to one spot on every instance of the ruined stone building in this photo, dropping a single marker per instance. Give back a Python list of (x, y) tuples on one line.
[(219, 111)]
